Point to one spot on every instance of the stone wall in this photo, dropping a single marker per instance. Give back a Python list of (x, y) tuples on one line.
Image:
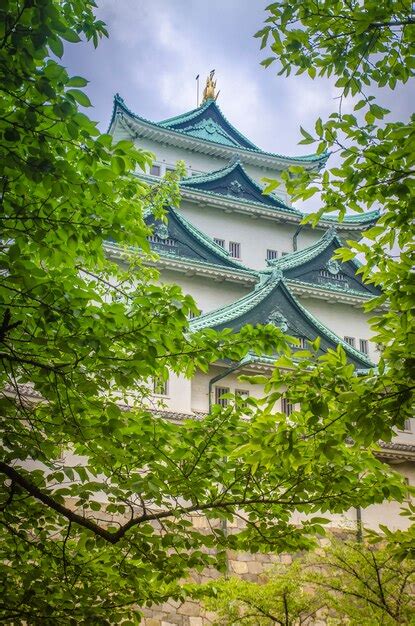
[(242, 564)]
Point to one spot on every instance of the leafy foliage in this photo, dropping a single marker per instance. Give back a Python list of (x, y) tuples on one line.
[(98, 490), (344, 581), (362, 46)]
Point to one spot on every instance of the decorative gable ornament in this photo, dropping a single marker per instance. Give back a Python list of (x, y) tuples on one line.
[(162, 231), (333, 267), (278, 319), (235, 188)]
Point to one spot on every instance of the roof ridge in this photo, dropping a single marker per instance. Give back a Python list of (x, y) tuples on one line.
[(308, 158), (185, 116), (260, 291), (235, 129)]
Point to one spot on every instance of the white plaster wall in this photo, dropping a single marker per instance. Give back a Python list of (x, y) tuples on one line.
[(344, 320), (208, 293), (387, 513), (254, 235), (178, 396)]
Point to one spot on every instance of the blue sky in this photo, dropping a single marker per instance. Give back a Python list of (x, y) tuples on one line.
[(157, 47)]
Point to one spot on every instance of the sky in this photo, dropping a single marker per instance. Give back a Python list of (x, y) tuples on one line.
[(157, 47)]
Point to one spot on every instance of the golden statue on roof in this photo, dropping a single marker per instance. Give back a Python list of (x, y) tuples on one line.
[(209, 90)]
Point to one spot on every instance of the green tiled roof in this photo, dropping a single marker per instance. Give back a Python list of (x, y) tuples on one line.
[(227, 314), (329, 287), (271, 200), (299, 257), (249, 147), (172, 122), (235, 309), (358, 218)]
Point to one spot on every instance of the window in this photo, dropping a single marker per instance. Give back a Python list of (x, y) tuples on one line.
[(407, 425), (272, 254), (169, 169), (350, 340), (160, 387), (364, 346), (219, 242), (286, 406), (155, 170), (303, 342), (242, 393), (219, 392), (235, 249), (284, 253)]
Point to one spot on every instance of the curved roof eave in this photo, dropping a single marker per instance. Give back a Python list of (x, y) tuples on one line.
[(192, 181), (312, 160), (236, 309)]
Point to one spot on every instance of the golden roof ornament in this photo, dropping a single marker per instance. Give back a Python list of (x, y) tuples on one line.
[(209, 90)]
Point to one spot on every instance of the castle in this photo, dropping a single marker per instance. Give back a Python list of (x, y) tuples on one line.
[(246, 258)]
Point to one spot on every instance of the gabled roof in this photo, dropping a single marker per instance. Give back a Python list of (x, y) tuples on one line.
[(208, 122), (179, 239), (316, 265), (234, 181), (272, 303), (206, 130)]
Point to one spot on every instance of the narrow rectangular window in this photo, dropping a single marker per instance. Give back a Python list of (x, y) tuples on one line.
[(272, 254), (284, 253), (219, 393), (350, 340), (364, 346), (286, 406), (155, 170), (242, 393), (160, 387), (235, 249), (219, 242), (169, 169)]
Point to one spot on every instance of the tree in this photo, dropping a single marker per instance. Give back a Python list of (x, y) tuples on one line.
[(368, 49), (98, 492), (345, 580)]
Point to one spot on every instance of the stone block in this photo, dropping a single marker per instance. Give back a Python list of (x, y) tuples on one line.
[(195, 621), (150, 621), (255, 568), (239, 567), (189, 608), (287, 559)]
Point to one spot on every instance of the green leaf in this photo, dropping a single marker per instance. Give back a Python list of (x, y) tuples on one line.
[(77, 81), (80, 97)]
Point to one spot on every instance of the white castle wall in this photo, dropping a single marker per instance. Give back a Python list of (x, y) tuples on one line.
[(255, 235), (209, 293), (344, 320)]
